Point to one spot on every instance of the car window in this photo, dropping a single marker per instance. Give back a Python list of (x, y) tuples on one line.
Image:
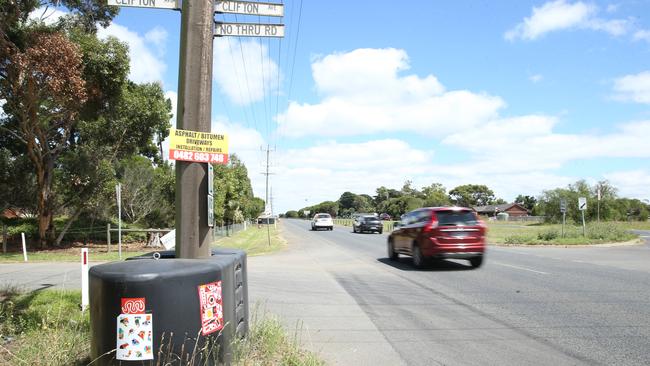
[(456, 218), (323, 216)]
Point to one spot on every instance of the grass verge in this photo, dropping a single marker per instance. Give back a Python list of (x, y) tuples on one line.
[(254, 240), (66, 256), (268, 344), (47, 328), (596, 233)]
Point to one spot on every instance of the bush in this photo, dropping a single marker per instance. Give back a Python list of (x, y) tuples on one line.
[(548, 235), (607, 231)]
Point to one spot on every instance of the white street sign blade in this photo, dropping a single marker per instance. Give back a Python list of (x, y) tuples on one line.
[(249, 8), (249, 30), (153, 4)]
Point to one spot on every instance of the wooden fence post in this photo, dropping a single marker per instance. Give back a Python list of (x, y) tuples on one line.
[(108, 236)]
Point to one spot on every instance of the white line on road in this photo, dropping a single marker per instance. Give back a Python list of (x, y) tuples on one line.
[(521, 268)]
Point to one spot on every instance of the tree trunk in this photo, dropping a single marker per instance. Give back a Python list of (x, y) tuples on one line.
[(67, 226), (46, 233)]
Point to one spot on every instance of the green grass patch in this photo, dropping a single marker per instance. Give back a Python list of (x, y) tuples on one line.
[(596, 233), (254, 240), (268, 344), (66, 256), (48, 328), (45, 328)]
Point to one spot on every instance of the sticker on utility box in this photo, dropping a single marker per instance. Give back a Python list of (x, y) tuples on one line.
[(133, 305), (211, 307), (134, 337)]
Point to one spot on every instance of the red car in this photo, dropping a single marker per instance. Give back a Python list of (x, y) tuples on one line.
[(439, 232)]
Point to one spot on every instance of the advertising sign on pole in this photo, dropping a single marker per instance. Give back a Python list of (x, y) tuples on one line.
[(198, 147)]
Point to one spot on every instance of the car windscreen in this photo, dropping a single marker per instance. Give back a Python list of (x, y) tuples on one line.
[(370, 218), (323, 216), (456, 218)]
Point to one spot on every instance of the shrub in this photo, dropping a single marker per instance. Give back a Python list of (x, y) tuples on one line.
[(548, 235), (607, 231)]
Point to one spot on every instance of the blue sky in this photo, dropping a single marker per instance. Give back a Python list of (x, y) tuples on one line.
[(521, 96)]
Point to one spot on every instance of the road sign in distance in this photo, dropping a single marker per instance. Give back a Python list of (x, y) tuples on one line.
[(248, 30), (563, 206), (249, 8), (154, 4), (582, 203)]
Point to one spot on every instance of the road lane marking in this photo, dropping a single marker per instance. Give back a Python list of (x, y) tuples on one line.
[(521, 268)]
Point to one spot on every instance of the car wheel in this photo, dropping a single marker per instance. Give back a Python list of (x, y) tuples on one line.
[(331, 228), (476, 261), (418, 258), (354, 229), (380, 231), (392, 254)]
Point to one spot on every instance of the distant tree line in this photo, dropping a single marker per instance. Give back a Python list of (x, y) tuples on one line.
[(397, 202)]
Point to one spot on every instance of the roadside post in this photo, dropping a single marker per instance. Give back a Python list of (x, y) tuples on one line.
[(24, 247), (118, 193), (582, 205), (84, 279), (563, 210), (141, 291)]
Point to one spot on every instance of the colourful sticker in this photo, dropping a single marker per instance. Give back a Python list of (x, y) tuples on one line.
[(133, 305), (132, 345), (211, 307)]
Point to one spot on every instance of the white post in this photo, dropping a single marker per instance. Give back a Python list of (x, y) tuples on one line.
[(118, 190), (24, 247), (84, 279)]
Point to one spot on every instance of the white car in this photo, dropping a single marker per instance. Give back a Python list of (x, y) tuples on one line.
[(322, 220)]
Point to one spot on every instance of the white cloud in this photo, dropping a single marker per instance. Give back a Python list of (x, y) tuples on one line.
[(632, 183), (634, 88), (562, 15), (536, 78), (363, 93), (157, 36), (145, 63), (642, 35), (244, 70)]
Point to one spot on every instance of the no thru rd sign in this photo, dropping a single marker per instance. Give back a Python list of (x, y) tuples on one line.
[(249, 30)]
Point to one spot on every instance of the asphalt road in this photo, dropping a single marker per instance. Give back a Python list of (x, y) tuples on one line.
[(525, 306), (340, 296)]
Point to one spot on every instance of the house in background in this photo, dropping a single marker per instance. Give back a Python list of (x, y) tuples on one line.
[(512, 209)]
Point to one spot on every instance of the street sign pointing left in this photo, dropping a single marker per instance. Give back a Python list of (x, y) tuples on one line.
[(154, 4)]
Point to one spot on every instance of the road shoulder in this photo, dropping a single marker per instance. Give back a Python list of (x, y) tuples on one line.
[(294, 285)]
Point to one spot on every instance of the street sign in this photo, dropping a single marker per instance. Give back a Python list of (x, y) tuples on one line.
[(199, 147), (210, 180), (582, 203), (154, 4), (563, 205), (248, 30), (249, 8), (210, 211)]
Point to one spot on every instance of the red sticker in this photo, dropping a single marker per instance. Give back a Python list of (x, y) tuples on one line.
[(211, 307), (133, 305)]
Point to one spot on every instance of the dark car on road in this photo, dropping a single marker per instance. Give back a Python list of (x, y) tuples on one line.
[(367, 223), (439, 232)]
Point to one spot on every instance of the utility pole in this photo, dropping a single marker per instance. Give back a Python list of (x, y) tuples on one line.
[(193, 235), (266, 201)]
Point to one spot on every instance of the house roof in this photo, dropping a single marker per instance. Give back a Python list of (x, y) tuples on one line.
[(500, 208)]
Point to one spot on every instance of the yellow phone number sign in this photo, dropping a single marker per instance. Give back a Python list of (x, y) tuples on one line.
[(199, 147)]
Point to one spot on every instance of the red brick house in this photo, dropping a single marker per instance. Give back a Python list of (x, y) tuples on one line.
[(512, 209)]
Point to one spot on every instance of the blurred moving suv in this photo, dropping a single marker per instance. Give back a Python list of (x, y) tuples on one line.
[(439, 232), (367, 223), (322, 220)]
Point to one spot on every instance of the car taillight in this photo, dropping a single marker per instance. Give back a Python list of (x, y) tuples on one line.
[(431, 225)]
